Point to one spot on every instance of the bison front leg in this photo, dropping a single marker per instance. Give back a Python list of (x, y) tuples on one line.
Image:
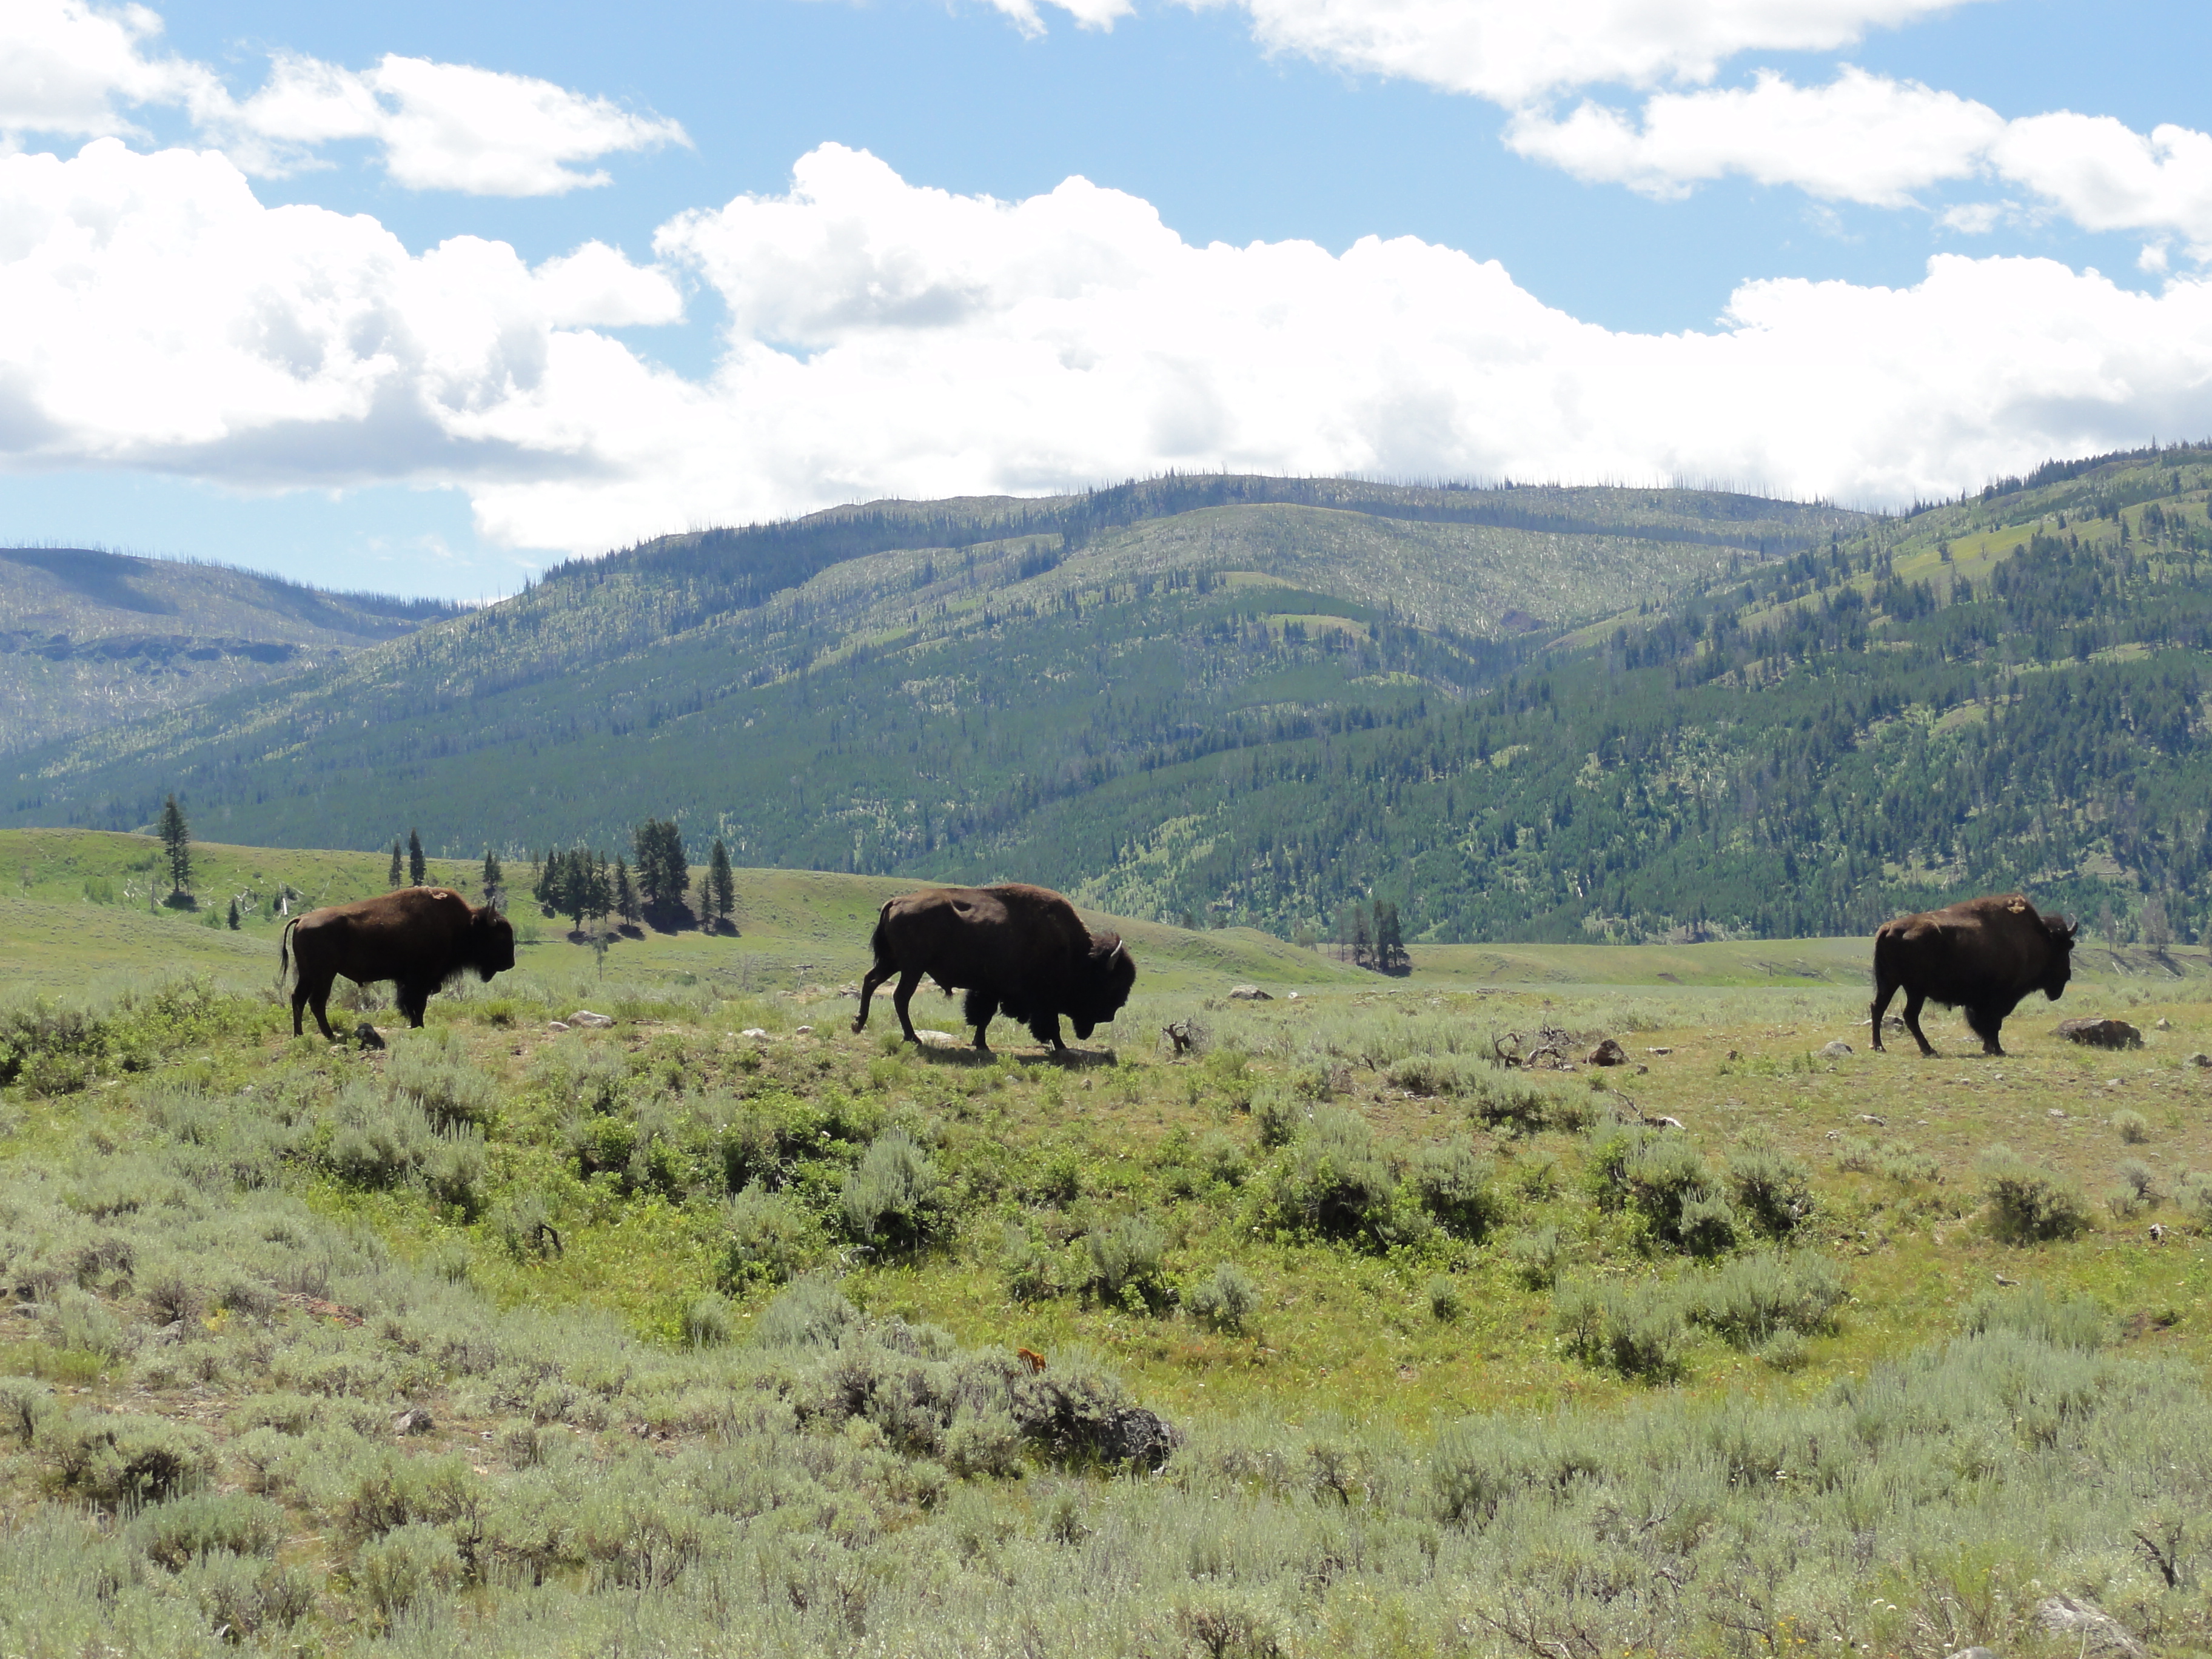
[(1914, 1002), (980, 1010), (1985, 1023), (1045, 1028), (414, 998)]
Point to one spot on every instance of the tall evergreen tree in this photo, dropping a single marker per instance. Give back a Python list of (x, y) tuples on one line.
[(1363, 939), (177, 846), (391, 877), (626, 905), (662, 872), (722, 885), (494, 881), (417, 865), (1390, 956), (234, 915)]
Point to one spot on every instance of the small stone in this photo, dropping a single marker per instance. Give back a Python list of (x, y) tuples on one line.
[(557, 1024), (1879, 1122), (1658, 1051), (2101, 1033), (802, 1031), (752, 1031), (1606, 1053), (171, 1332), (413, 1420), (2163, 1025), (2055, 1112), (1838, 1050), (2200, 1060), (585, 1016), (937, 1039), (1293, 996), (1248, 994), (1662, 1122)]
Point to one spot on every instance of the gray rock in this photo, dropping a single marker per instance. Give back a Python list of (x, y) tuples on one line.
[(557, 1024), (1838, 1050), (2097, 1631), (1248, 994), (585, 1016), (2200, 1060), (1608, 1053), (413, 1420), (752, 1031), (2101, 1033)]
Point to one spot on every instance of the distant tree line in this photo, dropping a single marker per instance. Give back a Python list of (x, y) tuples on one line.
[(580, 883)]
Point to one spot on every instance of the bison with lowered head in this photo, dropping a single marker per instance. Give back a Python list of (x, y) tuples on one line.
[(1983, 954), (419, 936), (1017, 950)]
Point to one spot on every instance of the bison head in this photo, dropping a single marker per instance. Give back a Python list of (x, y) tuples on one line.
[(491, 942), (2062, 935), (1112, 972)]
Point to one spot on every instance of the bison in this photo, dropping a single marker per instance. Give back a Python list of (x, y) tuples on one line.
[(1018, 950), (419, 936), (1983, 954)]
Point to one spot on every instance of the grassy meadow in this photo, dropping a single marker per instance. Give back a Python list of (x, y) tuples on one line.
[(704, 1332)]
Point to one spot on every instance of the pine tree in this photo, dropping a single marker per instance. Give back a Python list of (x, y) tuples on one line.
[(544, 882), (1390, 956), (662, 872), (626, 904), (1363, 940), (391, 879), (494, 881), (722, 886), (417, 865), (234, 915), (177, 846), (598, 884)]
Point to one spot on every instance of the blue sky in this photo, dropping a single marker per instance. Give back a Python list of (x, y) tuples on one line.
[(1712, 257)]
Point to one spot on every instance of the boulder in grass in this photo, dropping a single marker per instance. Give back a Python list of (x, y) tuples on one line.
[(2100, 1033), (1248, 994), (2087, 1625), (1608, 1053), (557, 1024), (585, 1016), (1838, 1050)]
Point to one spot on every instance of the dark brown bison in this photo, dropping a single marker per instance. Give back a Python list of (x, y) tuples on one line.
[(1017, 950), (419, 936), (1983, 955)]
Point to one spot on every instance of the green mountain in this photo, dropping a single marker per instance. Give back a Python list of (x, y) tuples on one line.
[(90, 639), (1515, 713)]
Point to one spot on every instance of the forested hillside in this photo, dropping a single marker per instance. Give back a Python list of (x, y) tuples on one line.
[(1513, 714), (90, 639)]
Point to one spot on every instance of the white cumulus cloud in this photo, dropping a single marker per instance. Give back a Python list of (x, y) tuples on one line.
[(1869, 138), (67, 67), (888, 338)]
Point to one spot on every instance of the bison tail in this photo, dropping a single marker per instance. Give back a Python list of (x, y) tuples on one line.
[(284, 951)]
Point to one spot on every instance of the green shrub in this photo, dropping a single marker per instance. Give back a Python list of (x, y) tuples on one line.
[(1225, 1298), (2192, 1195), (894, 1194), (1446, 1302), (1029, 1270), (378, 1145), (807, 1313), (1786, 1350), (456, 1170), (768, 1237), (1335, 1180), (707, 1321), (2063, 1322), (1511, 1103), (1538, 1257), (1452, 1182), (2027, 1203), (1128, 1262), (1220, 1157), (177, 1533), (1639, 1332), (248, 1597), (398, 1571), (1278, 1116), (1900, 1163), (1773, 1190), (1667, 1182), (1854, 1152), (983, 1443), (2137, 1176), (2133, 1127), (115, 1459), (1435, 1074), (1751, 1299), (431, 1073)]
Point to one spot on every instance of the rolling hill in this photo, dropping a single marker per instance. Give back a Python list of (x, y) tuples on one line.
[(89, 638)]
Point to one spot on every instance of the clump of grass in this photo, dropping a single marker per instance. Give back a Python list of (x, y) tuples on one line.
[(766, 1238), (708, 1321), (894, 1195), (1907, 1167), (1335, 1179), (1638, 1332), (1453, 1183), (1227, 1297), (1030, 1271), (1752, 1299), (1538, 1257), (1128, 1258), (1446, 1302), (2029, 1204), (1773, 1190), (2132, 1128), (2062, 1321)]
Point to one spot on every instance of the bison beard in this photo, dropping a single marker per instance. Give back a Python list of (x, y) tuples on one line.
[(419, 937), (1017, 950), (1983, 954)]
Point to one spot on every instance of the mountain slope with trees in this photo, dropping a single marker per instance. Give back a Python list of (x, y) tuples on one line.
[(1515, 713)]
